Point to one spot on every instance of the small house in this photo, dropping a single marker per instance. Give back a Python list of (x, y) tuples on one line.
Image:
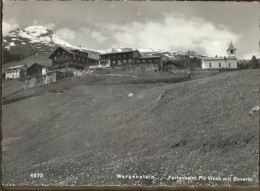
[(37, 69), (15, 72)]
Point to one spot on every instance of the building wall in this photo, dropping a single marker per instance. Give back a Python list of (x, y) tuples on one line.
[(149, 63), (64, 59), (131, 60), (225, 63), (147, 67), (34, 70), (118, 59), (34, 81), (13, 73), (121, 59)]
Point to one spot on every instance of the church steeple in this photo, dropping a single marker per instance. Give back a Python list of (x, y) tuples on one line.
[(231, 51)]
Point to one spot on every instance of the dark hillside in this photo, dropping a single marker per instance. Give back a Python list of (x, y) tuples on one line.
[(90, 133)]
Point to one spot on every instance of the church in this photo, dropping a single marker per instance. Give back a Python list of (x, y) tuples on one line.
[(229, 62)]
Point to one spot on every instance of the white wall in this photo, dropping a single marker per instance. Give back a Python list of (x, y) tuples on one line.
[(215, 63), (43, 71), (12, 73)]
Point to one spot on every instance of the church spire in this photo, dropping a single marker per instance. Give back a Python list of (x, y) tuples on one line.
[(231, 51), (231, 46)]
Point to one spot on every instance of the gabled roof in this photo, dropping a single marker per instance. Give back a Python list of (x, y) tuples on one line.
[(40, 65), (91, 54), (111, 53), (147, 57), (14, 67), (219, 58), (231, 47), (66, 49)]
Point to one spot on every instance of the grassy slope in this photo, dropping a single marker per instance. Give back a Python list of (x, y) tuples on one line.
[(89, 133)]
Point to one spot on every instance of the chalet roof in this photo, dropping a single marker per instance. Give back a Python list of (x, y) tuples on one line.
[(218, 58), (147, 57), (14, 67), (40, 65), (112, 53), (91, 54), (231, 47), (94, 55), (66, 49)]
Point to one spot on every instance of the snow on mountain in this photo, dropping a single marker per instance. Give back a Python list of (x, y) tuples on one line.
[(34, 40), (34, 35), (116, 49)]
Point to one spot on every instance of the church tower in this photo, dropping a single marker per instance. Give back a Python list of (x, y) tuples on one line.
[(231, 51)]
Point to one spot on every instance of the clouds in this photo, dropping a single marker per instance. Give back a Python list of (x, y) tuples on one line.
[(248, 56), (81, 36), (94, 35), (8, 26), (66, 34), (50, 25), (98, 36), (173, 32)]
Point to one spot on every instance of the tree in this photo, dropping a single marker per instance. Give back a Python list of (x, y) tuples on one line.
[(254, 63)]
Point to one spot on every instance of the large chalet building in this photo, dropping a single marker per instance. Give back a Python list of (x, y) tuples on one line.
[(132, 59), (73, 58), (79, 59)]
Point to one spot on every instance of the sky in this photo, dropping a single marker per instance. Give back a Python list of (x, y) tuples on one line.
[(204, 27)]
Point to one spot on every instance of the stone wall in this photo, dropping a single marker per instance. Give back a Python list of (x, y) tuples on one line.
[(33, 81)]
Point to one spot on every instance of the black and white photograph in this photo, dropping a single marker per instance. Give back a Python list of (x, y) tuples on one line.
[(130, 93)]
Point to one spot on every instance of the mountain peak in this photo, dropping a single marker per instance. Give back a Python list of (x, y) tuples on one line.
[(37, 30), (34, 36)]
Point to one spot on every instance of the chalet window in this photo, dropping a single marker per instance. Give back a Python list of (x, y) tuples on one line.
[(219, 64), (114, 56), (119, 56), (124, 55), (114, 61), (229, 65), (124, 61), (137, 61), (210, 65), (130, 61), (231, 51), (149, 60)]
